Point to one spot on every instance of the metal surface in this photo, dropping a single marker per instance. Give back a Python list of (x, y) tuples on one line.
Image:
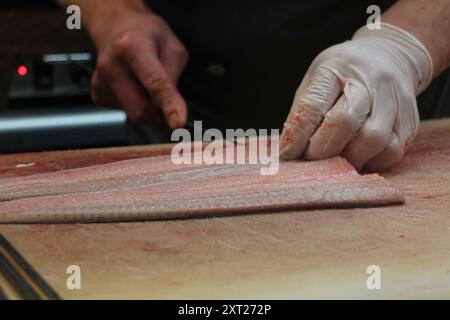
[(61, 128), (22, 277)]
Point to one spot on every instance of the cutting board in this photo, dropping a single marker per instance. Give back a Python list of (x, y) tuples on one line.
[(304, 254)]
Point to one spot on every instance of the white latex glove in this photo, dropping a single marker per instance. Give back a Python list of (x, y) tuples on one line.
[(358, 100)]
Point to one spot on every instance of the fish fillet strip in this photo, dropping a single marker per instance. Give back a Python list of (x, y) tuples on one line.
[(154, 188)]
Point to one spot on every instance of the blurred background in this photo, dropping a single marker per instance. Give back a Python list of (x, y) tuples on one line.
[(45, 74)]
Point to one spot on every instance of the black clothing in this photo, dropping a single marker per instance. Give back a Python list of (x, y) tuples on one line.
[(248, 57)]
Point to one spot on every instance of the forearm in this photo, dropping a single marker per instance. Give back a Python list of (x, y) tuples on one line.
[(99, 14), (429, 22)]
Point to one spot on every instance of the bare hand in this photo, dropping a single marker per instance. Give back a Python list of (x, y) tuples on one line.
[(139, 63)]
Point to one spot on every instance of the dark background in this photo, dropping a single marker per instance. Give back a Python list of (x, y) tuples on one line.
[(33, 27), (28, 27)]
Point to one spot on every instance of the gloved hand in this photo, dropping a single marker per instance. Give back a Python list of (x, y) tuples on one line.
[(358, 100)]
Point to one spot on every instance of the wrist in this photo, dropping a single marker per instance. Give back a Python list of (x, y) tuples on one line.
[(102, 15)]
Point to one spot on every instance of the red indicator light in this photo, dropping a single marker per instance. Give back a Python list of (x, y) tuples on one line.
[(22, 70)]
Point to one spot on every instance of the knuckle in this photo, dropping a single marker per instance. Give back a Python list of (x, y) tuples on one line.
[(103, 67), (321, 89), (351, 54), (179, 49), (157, 83), (123, 43), (386, 75), (157, 21), (329, 53), (374, 136), (345, 120), (312, 101)]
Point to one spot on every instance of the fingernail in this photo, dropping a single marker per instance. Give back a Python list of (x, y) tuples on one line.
[(173, 120)]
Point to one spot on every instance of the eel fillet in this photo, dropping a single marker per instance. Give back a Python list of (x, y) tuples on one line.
[(154, 188)]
